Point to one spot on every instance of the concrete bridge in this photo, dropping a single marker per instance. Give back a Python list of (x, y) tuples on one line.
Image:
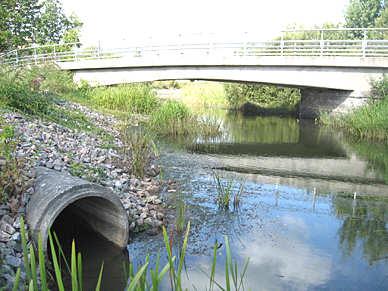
[(334, 75)]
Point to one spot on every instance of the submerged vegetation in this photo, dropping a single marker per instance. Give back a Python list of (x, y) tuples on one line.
[(367, 122), (65, 275)]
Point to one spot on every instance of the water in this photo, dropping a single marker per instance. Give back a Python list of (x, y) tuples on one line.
[(298, 221)]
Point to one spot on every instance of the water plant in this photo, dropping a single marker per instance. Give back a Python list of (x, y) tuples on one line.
[(225, 193), (144, 278), (180, 219), (174, 119)]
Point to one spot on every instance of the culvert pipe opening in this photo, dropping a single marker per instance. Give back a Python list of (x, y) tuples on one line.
[(69, 203)]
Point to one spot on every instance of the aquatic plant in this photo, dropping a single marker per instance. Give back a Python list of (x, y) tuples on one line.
[(225, 192), (174, 119), (180, 219), (144, 278)]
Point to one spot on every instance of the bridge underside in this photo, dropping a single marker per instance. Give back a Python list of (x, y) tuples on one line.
[(324, 89)]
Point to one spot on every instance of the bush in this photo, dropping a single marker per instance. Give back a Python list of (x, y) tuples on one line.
[(261, 95), (18, 90)]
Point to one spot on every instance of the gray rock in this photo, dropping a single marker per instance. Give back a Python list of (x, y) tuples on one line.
[(13, 261), (7, 228), (4, 237)]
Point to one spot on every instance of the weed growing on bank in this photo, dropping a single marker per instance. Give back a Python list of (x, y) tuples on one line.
[(174, 119), (11, 180), (368, 122)]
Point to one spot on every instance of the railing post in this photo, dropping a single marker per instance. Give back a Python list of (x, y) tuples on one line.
[(281, 44), (364, 44), (35, 56), (16, 57), (99, 50), (55, 53), (321, 44)]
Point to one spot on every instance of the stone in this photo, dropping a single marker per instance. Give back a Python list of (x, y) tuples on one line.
[(4, 237), (7, 228), (8, 219), (13, 261)]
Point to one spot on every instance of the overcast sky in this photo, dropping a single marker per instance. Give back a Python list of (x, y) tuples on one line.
[(124, 21)]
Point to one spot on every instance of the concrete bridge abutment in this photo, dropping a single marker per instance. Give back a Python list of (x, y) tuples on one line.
[(315, 101)]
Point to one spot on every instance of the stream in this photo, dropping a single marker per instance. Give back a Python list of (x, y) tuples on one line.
[(313, 213)]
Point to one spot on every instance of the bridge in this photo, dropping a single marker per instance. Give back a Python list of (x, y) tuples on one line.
[(334, 75)]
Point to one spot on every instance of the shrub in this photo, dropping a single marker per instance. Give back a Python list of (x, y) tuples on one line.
[(261, 95)]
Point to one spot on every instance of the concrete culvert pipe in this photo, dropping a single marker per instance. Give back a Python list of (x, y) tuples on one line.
[(96, 206)]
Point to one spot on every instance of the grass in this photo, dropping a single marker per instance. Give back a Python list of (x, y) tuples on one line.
[(144, 278), (174, 119), (203, 95), (369, 122), (11, 180), (132, 98), (138, 149), (225, 193)]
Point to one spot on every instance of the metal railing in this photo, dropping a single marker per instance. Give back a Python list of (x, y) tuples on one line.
[(74, 52)]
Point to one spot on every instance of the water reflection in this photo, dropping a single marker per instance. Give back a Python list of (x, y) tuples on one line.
[(365, 222)]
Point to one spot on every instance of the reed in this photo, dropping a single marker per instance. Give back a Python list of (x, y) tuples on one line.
[(225, 192), (369, 122), (145, 278)]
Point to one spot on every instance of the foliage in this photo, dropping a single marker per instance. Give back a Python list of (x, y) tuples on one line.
[(174, 119), (363, 13), (138, 149), (18, 23), (201, 94), (225, 192), (132, 98), (26, 22), (11, 180), (367, 122), (145, 278), (266, 96)]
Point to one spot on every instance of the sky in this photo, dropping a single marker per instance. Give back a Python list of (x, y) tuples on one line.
[(125, 22)]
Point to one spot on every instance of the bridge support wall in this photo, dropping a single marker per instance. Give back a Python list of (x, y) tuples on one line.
[(315, 101)]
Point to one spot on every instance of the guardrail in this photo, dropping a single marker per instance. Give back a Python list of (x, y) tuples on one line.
[(74, 52)]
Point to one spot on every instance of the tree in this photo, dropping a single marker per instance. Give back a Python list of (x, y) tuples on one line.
[(363, 13), (54, 24), (27, 22), (18, 23)]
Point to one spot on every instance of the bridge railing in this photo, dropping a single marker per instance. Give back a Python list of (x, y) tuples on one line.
[(310, 48)]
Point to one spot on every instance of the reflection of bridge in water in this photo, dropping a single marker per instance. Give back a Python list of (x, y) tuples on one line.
[(307, 157)]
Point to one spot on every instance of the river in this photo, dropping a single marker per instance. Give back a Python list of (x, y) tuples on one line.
[(313, 213)]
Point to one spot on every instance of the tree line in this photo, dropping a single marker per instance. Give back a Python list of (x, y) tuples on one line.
[(27, 22)]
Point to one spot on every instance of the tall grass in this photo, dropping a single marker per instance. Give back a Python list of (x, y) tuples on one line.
[(138, 149), (145, 278), (132, 98), (174, 119), (226, 193), (367, 122), (201, 94)]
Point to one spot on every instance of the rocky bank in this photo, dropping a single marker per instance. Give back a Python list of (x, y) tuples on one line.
[(86, 154)]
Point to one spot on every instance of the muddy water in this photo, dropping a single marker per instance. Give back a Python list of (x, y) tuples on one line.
[(299, 220)]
